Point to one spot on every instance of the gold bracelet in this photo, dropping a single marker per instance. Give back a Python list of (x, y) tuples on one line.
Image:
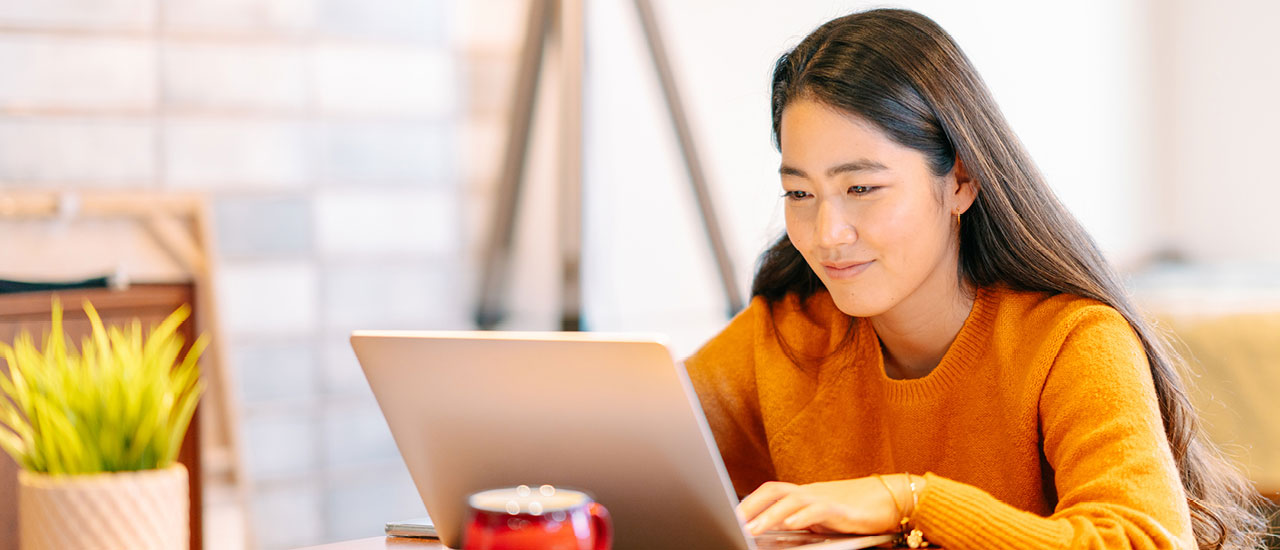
[(915, 538), (892, 497)]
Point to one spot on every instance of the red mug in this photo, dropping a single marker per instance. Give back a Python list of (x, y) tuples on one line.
[(546, 518)]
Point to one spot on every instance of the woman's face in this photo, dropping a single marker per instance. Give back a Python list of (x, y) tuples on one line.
[(868, 215)]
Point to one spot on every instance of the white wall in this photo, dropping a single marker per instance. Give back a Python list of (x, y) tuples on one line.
[(1219, 80)]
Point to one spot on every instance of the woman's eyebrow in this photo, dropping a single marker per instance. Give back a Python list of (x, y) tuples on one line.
[(861, 165)]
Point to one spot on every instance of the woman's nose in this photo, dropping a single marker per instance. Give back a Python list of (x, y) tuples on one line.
[(834, 227)]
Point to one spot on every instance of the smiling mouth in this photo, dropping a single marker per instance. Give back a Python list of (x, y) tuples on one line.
[(847, 271)]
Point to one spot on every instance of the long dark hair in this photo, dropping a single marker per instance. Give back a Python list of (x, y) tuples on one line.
[(899, 70)]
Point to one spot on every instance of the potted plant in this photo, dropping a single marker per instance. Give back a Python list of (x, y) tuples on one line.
[(96, 433)]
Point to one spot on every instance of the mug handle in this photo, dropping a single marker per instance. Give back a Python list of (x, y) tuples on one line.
[(604, 526)]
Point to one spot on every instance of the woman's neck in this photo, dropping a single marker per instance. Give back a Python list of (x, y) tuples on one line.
[(915, 334)]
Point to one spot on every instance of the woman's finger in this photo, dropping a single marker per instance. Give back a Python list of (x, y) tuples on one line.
[(822, 529), (762, 498), (812, 516), (773, 517)]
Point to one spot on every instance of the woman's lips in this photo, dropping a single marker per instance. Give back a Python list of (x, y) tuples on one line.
[(847, 272)]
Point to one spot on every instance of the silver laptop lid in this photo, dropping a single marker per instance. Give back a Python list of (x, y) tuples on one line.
[(609, 414)]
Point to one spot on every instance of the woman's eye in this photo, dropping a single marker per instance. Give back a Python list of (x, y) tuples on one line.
[(860, 190), (795, 195)]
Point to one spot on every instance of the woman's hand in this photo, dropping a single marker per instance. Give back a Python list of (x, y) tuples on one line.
[(858, 506)]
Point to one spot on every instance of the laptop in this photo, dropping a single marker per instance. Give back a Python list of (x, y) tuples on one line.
[(612, 415)]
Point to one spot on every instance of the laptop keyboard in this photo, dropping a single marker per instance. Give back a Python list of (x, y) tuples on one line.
[(777, 540)]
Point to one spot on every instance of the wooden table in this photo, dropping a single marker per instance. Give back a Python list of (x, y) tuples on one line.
[(382, 543)]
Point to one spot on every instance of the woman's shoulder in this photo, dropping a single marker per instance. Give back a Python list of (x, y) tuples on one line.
[(1044, 311), (1038, 324)]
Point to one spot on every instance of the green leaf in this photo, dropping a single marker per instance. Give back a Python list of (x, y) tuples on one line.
[(164, 333), (10, 418), (178, 427), (13, 445)]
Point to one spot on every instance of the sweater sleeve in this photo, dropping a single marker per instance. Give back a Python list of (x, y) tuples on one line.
[(723, 375), (1116, 479)]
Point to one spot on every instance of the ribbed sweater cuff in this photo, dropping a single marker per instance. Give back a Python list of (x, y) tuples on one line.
[(958, 516)]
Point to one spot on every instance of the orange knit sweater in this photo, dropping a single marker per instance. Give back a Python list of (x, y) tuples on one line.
[(1039, 428)]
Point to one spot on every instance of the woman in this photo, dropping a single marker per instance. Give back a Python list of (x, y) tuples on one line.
[(936, 345)]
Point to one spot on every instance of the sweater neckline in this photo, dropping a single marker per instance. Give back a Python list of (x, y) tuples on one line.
[(960, 356)]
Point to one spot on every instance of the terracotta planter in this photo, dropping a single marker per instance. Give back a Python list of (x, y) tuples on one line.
[(144, 510)]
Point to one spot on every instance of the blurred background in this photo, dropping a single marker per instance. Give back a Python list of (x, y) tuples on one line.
[(349, 152)]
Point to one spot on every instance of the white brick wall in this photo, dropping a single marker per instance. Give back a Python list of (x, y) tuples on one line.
[(390, 295), (232, 153), (264, 299), (403, 153), (384, 80), (357, 502), (276, 370), (214, 75), (291, 516), (356, 437), (111, 14), (371, 222), (325, 134), (277, 17), (263, 227), (76, 73), (281, 446), (402, 20), (342, 377), (93, 152)]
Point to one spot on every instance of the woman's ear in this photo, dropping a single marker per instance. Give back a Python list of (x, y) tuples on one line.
[(966, 190)]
